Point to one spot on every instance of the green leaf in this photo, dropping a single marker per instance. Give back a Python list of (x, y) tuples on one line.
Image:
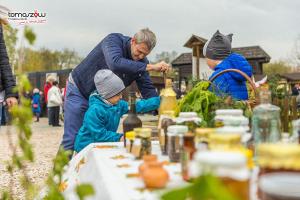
[(29, 35), (84, 190), (179, 194)]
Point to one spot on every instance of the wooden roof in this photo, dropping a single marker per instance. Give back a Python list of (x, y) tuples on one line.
[(250, 53), (291, 76), (182, 59), (195, 40)]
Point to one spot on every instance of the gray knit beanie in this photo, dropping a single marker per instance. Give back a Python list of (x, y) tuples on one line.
[(218, 47), (108, 84)]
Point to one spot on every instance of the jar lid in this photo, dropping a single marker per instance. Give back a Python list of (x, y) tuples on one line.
[(170, 113), (204, 131), (130, 135), (180, 120), (284, 184), (233, 120), (231, 129), (228, 137), (177, 129), (221, 159), (145, 132), (188, 114), (235, 112)]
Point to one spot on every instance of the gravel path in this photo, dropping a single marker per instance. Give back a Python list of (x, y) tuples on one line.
[(45, 141)]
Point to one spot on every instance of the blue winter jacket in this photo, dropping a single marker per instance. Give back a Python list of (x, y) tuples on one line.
[(114, 53), (101, 120), (232, 83), (36, 100)]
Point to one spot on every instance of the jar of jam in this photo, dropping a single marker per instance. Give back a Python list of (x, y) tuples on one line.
[(175, 143)]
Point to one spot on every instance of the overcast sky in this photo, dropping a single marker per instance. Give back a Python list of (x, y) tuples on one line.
[(81, 24)]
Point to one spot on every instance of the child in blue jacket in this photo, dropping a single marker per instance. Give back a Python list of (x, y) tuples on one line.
[(105, 110), (219, 57), (36, 106)]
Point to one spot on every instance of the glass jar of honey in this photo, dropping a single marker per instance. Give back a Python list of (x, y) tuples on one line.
[(202, 137), (230, 167), (142, 142), (278, 157), (226, 141)]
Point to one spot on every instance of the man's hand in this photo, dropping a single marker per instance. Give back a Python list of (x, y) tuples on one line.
[(11, 101), (158, 67)]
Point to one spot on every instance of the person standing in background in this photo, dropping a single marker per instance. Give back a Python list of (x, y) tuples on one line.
[(54, 103), (47, 86), (36, 106), (7, 80)]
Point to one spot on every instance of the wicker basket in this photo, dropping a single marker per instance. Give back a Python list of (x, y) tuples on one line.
[(251, 102)]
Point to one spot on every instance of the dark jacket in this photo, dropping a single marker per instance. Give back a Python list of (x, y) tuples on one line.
[(233, 83), (8, 81), (113, 53)]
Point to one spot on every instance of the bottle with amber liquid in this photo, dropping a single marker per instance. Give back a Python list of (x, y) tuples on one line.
[(132, 120), (168, 98)]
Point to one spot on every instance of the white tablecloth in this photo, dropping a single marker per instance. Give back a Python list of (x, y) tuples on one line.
[(96, 166)]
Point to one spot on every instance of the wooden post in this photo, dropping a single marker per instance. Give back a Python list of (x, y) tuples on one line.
[(198, 62), (286, 114), (294, 108)]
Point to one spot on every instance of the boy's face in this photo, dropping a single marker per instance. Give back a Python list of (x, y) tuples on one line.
[(115, 99), (211, 63)]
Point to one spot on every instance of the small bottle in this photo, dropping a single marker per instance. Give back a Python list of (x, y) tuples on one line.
[(187, 154), (131, 121)]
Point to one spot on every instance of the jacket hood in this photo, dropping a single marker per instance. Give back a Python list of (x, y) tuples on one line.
[(96, 99), (235, 61)]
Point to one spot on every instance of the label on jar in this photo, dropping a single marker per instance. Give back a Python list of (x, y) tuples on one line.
[(136, 148)]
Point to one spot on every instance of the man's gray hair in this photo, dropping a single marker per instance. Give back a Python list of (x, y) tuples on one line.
[(146, 36)]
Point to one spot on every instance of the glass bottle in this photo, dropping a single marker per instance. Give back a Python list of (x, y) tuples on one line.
[(165, 120), (132, 120), (187, 154), (168, 98), (266, 120), (175, 143)]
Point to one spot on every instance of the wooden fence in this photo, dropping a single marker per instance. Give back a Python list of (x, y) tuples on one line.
[(289, 111)]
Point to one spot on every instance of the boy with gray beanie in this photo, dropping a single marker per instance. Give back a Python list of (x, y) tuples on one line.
[(219, 57), (105, 110)]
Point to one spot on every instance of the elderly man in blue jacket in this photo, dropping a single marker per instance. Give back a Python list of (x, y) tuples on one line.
[(123, 55)]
